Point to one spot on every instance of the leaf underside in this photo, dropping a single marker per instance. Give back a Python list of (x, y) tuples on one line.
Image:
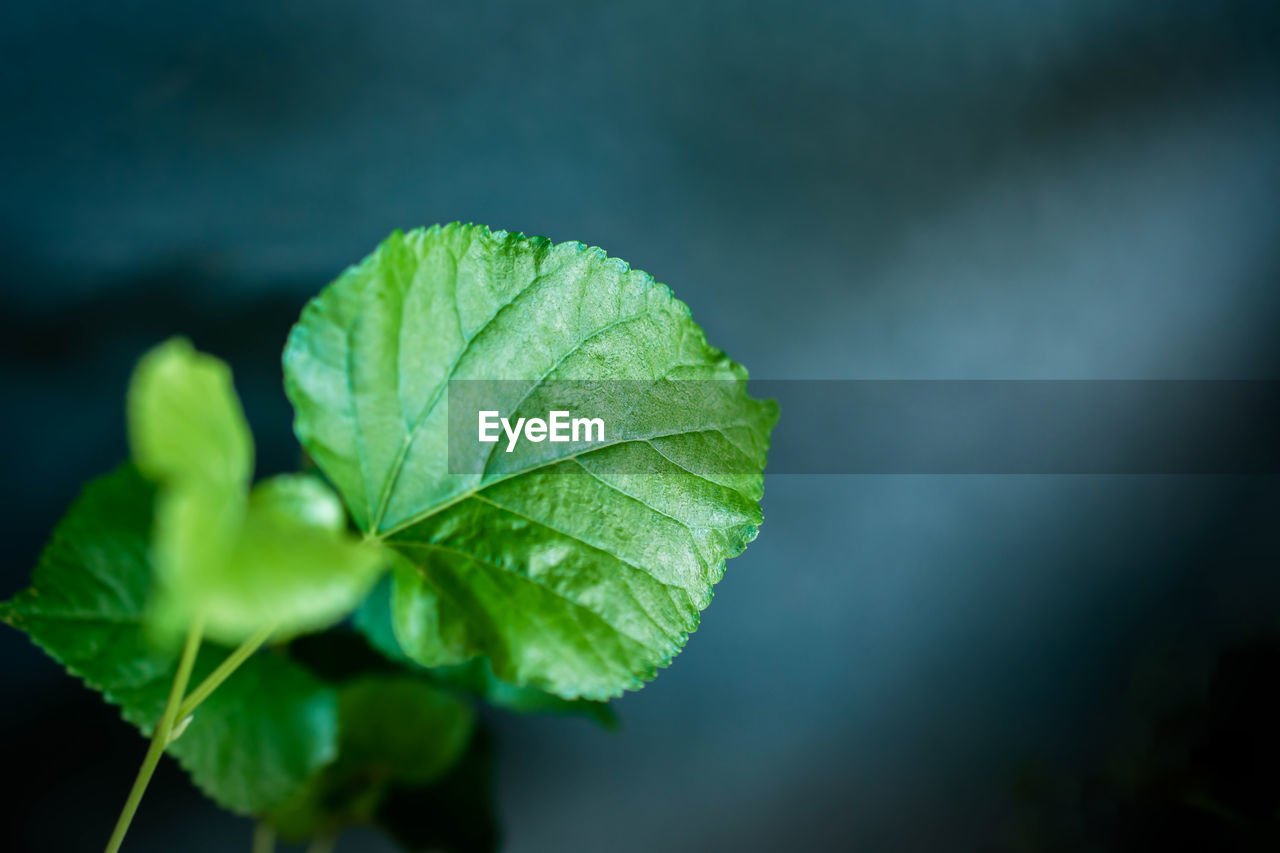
[(569, 575)]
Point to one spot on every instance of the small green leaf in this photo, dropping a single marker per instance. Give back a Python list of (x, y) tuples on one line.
[(410, 731), (395, 731), (569, 576), (185, 420), (188, 432), (474, 677), (255, 741), (279, 555), (293, 564)]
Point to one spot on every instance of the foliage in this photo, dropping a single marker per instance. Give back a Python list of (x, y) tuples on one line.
[(86, 608), (539, 584)]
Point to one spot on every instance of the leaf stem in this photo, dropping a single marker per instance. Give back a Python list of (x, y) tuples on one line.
[(224, 671), (264, 838), (160, 737)]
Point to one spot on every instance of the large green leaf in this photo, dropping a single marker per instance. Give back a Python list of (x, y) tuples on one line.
[(279, 555), (250, 745), (581, 573), (396, 731), (474, 677)]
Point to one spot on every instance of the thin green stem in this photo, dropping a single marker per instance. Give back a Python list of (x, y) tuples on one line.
[(160, 737), (264, 838), (223, 672)]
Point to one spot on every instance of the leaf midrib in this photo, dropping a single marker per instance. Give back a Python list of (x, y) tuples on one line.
[(397, 465), (435, 509)]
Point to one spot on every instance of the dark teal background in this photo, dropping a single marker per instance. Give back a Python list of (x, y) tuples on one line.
[(922, 189)]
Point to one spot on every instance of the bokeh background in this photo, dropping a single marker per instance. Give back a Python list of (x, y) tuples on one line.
[(923, 189)]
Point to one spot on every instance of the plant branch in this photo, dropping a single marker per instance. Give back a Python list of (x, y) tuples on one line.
[(224, 670), (160, 737)]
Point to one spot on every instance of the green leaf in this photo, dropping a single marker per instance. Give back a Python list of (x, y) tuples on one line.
[(454, 814), (255, 741), (568, 575), (279, 555), (477, 678), (293, 564), (188, 432), (185, 420), (474, 677), (404, 728), (395, 731)]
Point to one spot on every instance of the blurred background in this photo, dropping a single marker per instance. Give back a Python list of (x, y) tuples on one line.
[(924, 189)]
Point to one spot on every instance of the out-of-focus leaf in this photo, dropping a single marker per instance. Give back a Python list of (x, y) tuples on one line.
[(250, 745), (454, 814), (279, 555), (395, 731), (294, 564), (185, 420)]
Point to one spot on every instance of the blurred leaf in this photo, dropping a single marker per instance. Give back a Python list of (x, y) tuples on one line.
[(294, 563), (188, 432), (395, 731), (254, 742), (455, 814), (566, 576), (185, 420), (279, 555)]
